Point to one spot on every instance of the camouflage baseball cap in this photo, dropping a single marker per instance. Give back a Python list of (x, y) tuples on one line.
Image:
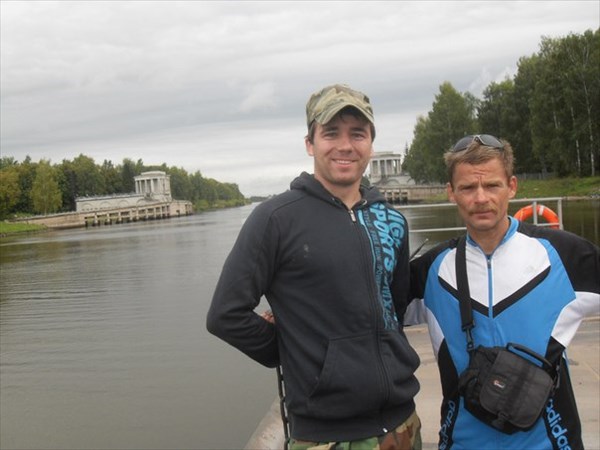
[(330, 100)]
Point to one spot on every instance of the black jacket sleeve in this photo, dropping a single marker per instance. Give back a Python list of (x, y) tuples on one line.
[(419, 268), (243, 281)]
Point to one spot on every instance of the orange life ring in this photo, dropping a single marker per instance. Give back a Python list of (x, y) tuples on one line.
[(527, 211)]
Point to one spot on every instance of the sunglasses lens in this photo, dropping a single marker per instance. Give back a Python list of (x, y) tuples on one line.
[(490, 141), (485, 139), (463, 143)]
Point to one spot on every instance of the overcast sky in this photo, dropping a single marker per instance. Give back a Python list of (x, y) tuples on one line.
[(221, 87)]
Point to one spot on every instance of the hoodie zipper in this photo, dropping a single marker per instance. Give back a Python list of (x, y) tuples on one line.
[(375, 309), (352, 215), (351, 212), (362, 202)]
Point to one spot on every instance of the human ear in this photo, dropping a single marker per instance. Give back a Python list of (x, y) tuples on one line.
[(450, 192), (512, 186), (309, 146)]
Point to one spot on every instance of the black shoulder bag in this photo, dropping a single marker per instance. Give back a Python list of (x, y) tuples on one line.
[(502, 386)]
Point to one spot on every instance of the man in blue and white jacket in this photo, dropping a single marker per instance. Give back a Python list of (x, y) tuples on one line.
[(528, 285)]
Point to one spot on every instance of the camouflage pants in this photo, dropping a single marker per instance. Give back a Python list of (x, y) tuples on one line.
[(406, 437)]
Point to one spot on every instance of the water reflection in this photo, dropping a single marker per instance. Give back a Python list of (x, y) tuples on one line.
[(103, 343)]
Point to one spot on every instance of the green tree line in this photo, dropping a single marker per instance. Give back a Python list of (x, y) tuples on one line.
[(29, 187), (549, 112)]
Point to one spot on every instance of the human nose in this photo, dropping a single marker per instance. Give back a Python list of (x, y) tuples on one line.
[(480, 196), (344, 141)]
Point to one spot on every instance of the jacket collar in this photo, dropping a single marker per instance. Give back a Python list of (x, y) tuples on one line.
[(512, 229), (306, 182)]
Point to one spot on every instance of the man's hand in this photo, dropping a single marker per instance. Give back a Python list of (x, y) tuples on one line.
[(268, 316)]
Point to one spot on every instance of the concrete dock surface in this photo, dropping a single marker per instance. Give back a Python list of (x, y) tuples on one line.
[(584, 359)]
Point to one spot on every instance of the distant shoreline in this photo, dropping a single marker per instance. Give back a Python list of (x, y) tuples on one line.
[(11, 229)]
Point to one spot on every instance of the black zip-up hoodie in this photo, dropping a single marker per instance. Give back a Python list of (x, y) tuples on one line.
[(336, 281)]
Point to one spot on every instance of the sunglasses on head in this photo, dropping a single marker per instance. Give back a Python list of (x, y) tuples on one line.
[(484, 139)]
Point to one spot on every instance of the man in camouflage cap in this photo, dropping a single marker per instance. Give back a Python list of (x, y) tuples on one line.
[(329, 110), (331, 258)]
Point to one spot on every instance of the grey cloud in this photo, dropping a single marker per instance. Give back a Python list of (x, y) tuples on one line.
[(220, 87)]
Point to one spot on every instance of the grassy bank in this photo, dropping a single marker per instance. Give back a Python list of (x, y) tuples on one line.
[(559, 187), (9, 228), (203, 205), (588, 187)]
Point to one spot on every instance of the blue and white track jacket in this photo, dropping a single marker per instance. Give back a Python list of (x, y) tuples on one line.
[(534, 289)]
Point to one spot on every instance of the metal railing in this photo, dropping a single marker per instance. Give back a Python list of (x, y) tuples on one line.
[(526, 201)]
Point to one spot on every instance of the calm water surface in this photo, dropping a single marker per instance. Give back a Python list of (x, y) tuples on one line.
[(103, 342)]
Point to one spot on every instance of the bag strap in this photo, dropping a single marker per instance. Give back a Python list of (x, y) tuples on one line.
[(464, 295), (521, 348)]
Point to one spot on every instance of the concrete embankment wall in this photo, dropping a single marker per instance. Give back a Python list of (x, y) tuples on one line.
[(174, 208), (412, 193)]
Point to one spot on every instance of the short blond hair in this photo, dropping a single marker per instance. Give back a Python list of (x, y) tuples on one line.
[(477, 153)]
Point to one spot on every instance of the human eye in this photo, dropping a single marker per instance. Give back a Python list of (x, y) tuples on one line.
[(493, 186), (359, 133), (329, 133)]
